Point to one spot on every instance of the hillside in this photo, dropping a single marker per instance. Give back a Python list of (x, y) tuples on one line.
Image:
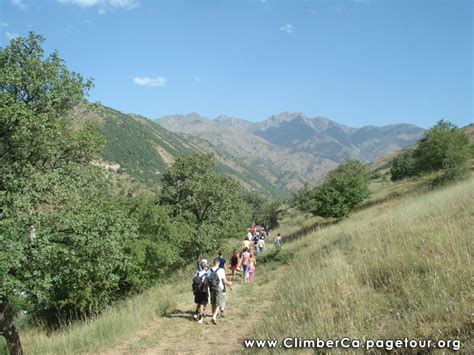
[(142, 149), (365, 277), (303, 148)]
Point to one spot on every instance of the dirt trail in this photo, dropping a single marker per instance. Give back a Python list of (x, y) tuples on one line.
[(177, 332)]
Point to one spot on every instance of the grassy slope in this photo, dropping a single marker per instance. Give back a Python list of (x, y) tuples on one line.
[(400, 268)]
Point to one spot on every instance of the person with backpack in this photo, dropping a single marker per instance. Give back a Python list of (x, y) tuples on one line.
[(234, 262), (218, 284), (201, 290)]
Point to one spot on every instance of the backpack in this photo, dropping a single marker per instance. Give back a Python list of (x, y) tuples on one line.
[(214, 280), (199, 284), (234, 260)]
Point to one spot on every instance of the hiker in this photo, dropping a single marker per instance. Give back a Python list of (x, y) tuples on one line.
[(222, 261), (234, 262), (218, 285), (267, 230), (261, 245), (278, 241), (249, 235), (244, 261), (201, 290), (246, 243), (252, 265)]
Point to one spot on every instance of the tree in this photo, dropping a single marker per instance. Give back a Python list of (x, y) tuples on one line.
[(210, 202), (403, 166), (39, 157), (264, 211), (343, 189), (445, 148)]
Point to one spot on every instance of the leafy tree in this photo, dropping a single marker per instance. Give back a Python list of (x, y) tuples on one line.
[(40, 158), (162, 241), (210, 202), (82, 253), (302, 199), (343, 189), (264, 210), (403, 166), (445, 148)]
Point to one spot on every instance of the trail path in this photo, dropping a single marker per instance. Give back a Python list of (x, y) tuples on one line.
[(177, 332)]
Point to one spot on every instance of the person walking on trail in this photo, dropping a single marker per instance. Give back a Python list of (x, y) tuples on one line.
[(234, 263), (218, 285), (261, 245), (278, 241), (246, 243), (201, 290), (252, 265), (245, 264), (222, 261)]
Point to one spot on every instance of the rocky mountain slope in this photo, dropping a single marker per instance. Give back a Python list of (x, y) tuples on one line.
[(291, 149)]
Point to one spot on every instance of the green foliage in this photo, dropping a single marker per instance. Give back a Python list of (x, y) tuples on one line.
[(445, 148), (211, 202), (403, 166), (343, 189), (44, 84), (302, 199), (82, 254), (264, 210), (63, 241), (162, 241)]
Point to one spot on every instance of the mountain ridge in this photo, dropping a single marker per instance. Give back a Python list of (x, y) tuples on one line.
[(307, 147)]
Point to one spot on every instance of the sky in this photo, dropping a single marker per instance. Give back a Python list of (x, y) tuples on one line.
[(358, 62)]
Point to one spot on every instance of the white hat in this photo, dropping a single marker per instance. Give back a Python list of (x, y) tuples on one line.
[(204, 263)]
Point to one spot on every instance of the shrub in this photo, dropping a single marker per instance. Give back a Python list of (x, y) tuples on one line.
[(403, 166), (445, 148), (343, 189)]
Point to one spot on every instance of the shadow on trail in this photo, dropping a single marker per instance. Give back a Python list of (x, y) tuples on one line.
[(176, 313)]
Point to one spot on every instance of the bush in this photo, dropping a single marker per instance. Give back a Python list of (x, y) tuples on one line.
[(403, 166), (343, 189), (445, 148)]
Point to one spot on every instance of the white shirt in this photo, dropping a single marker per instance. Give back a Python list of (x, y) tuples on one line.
[(221, 275)]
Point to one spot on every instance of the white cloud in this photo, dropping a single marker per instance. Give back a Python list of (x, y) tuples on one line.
[(10, 35), (146, 81), (19, 3), (103, 5), (3, 24), (288, 28)]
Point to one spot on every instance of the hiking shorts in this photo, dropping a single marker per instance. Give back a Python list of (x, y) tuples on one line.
[(218, 298), (201, 298)]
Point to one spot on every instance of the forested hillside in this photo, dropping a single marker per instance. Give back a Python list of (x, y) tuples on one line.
[(143, 150)]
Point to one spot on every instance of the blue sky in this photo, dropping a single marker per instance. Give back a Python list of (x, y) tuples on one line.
[(358, 62)]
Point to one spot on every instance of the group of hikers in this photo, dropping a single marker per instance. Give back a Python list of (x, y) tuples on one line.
[(210, 282)]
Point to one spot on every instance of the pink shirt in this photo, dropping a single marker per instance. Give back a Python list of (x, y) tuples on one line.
[(245, 258)]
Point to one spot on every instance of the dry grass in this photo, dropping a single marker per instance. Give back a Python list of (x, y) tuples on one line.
[(112, 326), (391, 271)]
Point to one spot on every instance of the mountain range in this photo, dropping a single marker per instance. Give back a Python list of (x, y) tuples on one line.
[(274, 156), (292, 149)]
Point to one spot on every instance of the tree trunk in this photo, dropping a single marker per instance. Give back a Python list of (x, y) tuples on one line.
[(8, 329)]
